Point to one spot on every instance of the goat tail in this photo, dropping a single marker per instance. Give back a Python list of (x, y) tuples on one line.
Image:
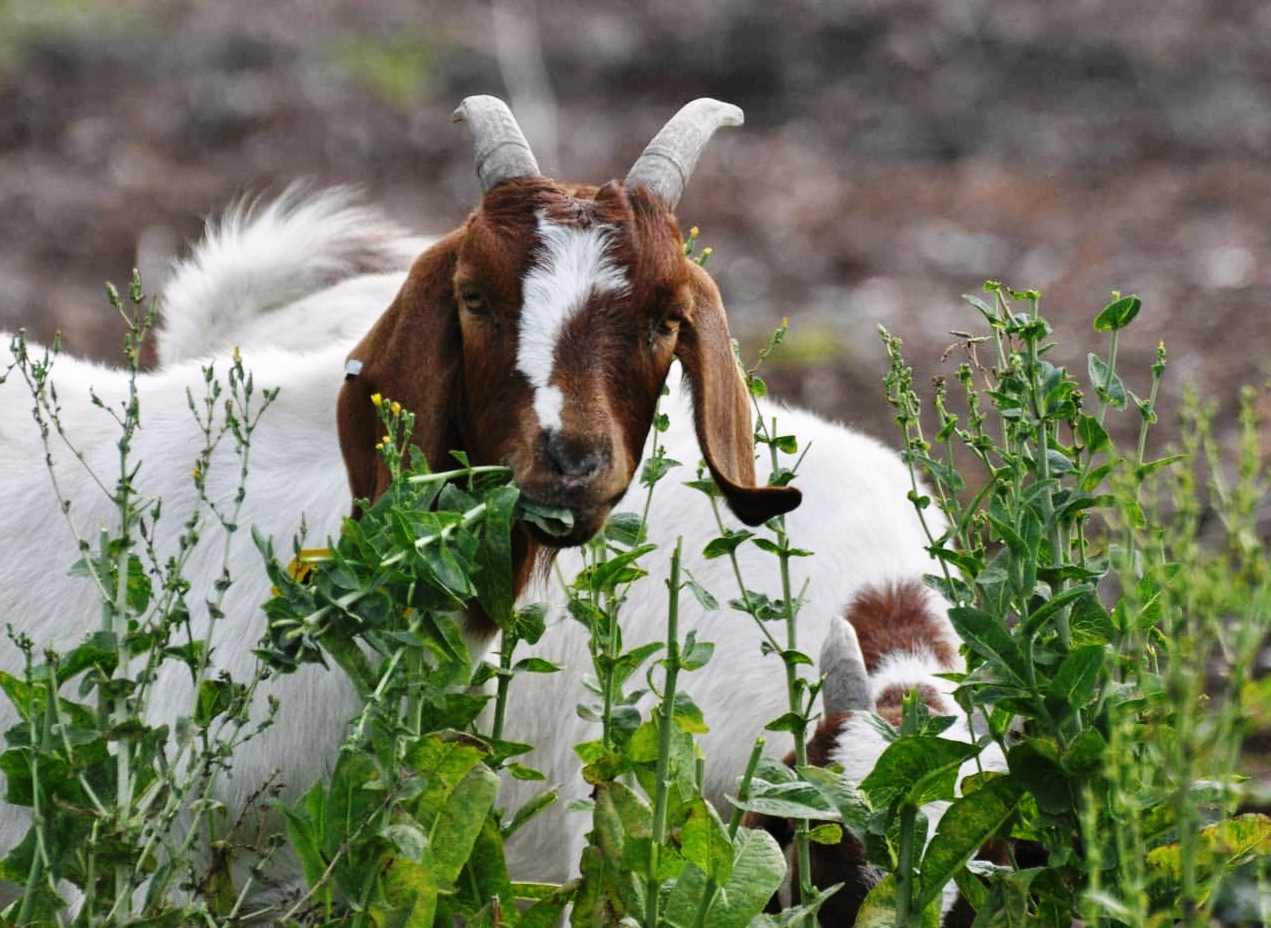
[(259, 256)]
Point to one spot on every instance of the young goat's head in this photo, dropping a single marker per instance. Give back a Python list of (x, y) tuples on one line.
[(539, 333)]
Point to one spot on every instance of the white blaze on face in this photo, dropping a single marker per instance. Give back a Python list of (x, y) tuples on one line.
[(573, 264)]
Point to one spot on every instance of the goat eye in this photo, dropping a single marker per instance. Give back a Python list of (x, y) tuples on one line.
[(668, 326), (473, 301)]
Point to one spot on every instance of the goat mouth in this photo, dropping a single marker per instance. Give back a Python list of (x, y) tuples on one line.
[(558, 525)]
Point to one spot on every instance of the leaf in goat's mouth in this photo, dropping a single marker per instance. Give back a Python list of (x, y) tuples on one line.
[(553, 520)]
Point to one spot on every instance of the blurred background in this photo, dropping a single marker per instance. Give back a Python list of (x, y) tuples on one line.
[(895, 155)]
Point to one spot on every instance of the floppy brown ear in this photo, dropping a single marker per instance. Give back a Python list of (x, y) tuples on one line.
[(413, 354), (721, 408)]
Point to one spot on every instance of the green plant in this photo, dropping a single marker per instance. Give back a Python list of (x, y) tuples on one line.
[(106, 786), (405, 830), (1087, 640)]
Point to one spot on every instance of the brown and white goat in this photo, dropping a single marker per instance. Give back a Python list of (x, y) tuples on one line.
[(892, 640), (539, 333)]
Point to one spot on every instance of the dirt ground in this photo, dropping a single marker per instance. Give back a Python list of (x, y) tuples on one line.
[(895, 154)]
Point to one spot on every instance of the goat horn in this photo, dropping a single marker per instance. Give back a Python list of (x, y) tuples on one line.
[(668, 161), (498, 144), (846, 687)]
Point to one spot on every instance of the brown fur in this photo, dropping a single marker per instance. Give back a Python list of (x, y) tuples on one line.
[(455, 366), (888, 620), (896, 619)]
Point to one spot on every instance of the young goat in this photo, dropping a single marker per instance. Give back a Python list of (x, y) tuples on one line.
[(538, 335), (892, 640)]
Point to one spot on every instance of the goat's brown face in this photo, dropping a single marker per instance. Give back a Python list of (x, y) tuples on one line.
[(538, 335), (569, 301)]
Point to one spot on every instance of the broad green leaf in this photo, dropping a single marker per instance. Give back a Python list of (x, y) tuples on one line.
[(705, 841), (1117, 314), (967, 824), (990, 639), (1106, 383), (1077, 677), (758, 868), (916, 769)]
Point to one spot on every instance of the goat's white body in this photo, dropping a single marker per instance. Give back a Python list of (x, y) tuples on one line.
[(855, 517)]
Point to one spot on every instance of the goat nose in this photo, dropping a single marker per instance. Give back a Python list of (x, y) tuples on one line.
[(573, 460)]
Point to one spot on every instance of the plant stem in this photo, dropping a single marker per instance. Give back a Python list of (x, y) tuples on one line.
[(506, 646), (666, 724), (803, 844)]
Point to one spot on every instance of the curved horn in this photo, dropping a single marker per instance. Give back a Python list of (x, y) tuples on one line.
[(668, 161), (498, 144), (846, 687)]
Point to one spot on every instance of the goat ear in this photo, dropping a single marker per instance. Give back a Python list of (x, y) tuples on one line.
[(721, 408), (413, 354)]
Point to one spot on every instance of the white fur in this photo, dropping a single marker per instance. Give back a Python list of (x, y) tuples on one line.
[(573, 264), (254, 259), (860, 742), (855, 517)]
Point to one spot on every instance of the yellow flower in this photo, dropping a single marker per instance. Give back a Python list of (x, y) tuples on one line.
[(379, 446), (707, 251), (692, 233), (237, 357), (395, 408), (197, 472), (376, 399)]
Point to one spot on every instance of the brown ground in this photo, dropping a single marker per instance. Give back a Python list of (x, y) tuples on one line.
[(895, 155)]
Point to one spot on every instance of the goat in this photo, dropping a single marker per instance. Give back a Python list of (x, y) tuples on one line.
[(538, 335), (864, 533), (893, 639)]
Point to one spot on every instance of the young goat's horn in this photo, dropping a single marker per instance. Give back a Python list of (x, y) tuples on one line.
[(498, 144), (846, 686), (668, 161)]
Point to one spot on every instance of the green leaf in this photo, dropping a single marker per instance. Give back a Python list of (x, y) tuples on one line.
[(687, 715), (1035, 764), (216, 697), (1094, 437), (496, 582), (1222, 846), (726, 543), (968, 823), (1077, 677), (915, 770), (990, 639), (1106, 384), (1117, 314), (829, 833), (758, 867), (536, 665), (705, 843)]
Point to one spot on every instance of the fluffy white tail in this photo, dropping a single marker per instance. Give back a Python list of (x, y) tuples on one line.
[(257, 258)]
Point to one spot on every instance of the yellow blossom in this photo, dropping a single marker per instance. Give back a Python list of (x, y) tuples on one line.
[(237, 357), (376, 399), (197, 472), (395, 408), (692, 233), (707, 251), (379, 446)]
